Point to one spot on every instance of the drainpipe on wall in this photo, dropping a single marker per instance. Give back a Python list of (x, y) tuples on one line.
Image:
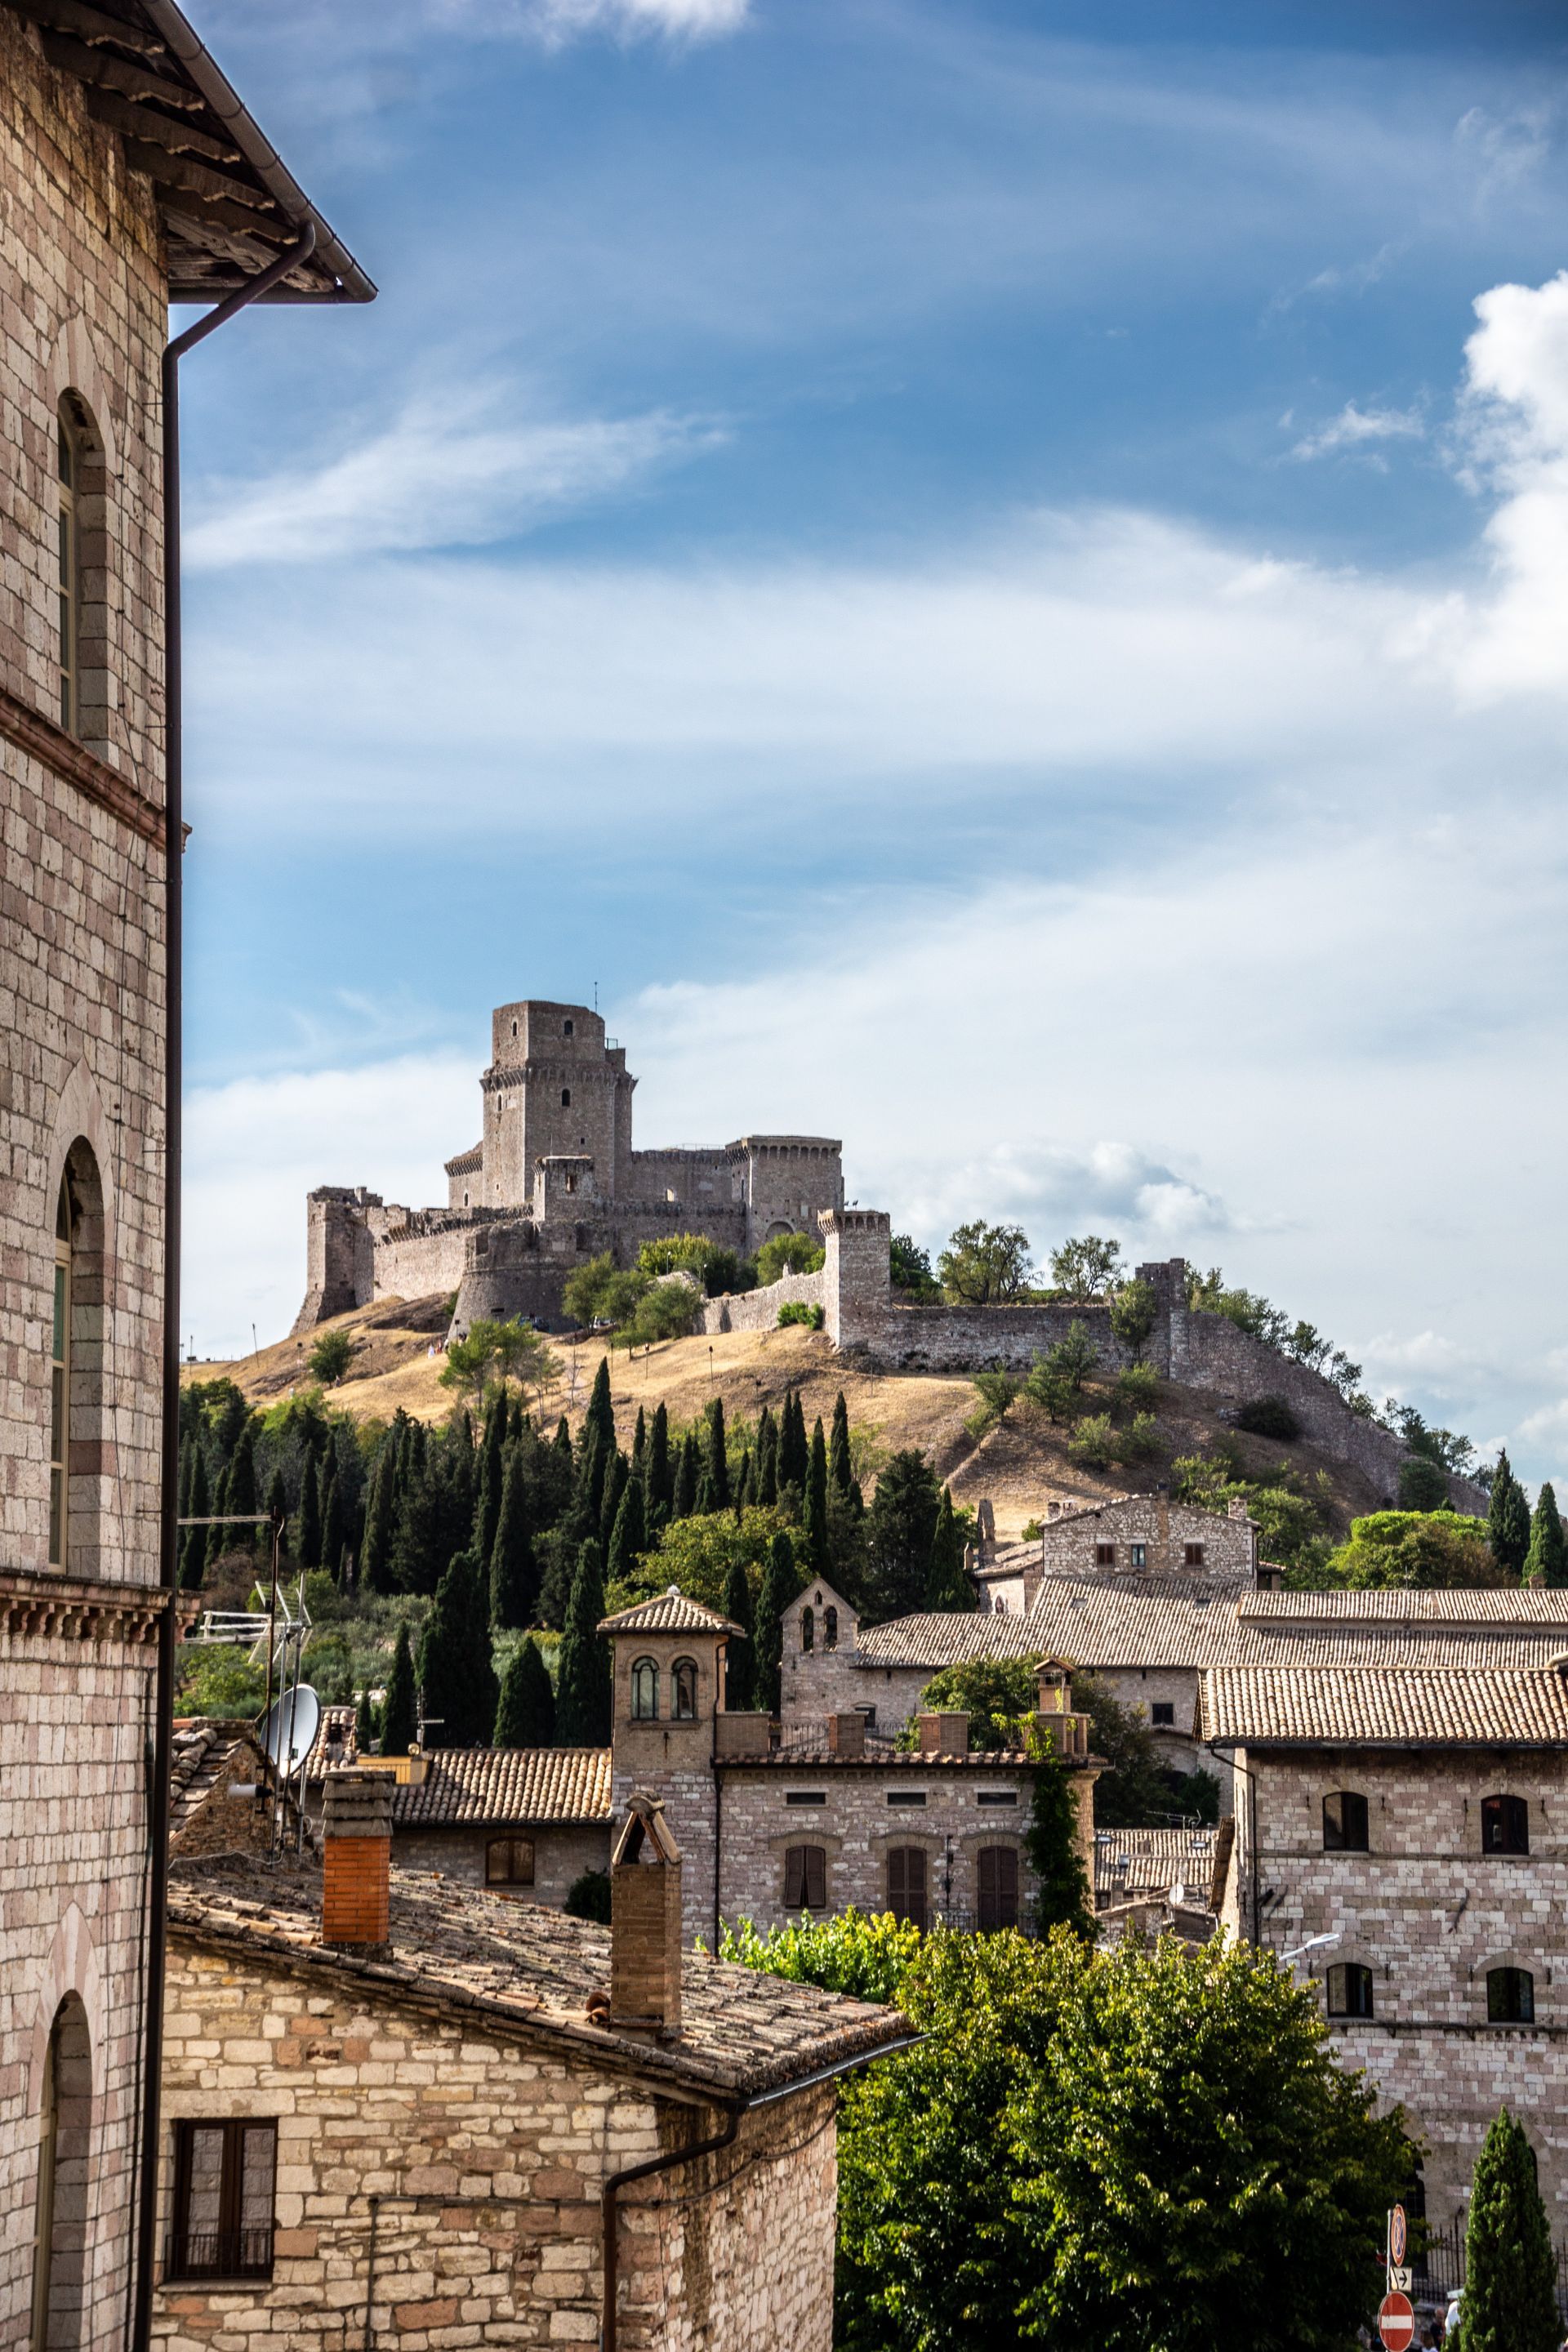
[(168, 1535)]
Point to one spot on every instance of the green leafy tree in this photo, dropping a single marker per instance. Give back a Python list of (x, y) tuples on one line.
[(794, 1451), (1134, 1791), (667, 1310), (1422, 1485), (715, 1482), (788, 1253), (400, 1708), (866, 1955), (840, 1461), (493, 1470), (767, 1459), (1546, 1562), (947, 1584), (816, 1500), (1062, 1896), (1510, 2272), (599, 1292), (618, 1477), (1086, 1268), (1429, 1549), (456, 1672), (526, 1715), (330, 1356), (601, 1413), (997, 1694), (781, 1582), (687, 1473), (588, 1897), (909, 1269), (498, 1351), (902, 1526), (1133, 1313), (985, 1265), (242, 1498), (699, 1555), (375, 1555), (628, 1536), (307, 1531), (514, 1567), (364, 1724), (194, 1547), (660, 1477), (218, 1534), (583, 1691), (333, 1532), (739, 1656)]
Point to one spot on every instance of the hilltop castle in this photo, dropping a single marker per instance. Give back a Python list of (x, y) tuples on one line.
[(553, 1182)]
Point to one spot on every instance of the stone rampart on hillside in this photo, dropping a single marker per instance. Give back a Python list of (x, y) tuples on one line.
[(758, 1310)]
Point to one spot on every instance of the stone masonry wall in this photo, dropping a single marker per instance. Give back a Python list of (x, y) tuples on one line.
[(562, 1853), (489, 2156), (1069, 1541), (1429, 1914), (758, 1310)]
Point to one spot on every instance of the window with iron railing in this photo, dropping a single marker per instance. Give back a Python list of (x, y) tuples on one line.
[(224, 2181)]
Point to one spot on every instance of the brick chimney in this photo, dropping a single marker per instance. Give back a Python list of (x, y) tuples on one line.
[(356, 1856), (1056, 1721), (645, 1921), (847, 1734), (942, 1735)]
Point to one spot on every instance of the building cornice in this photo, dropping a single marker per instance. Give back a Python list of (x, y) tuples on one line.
[(39, 1604), (29, 731)]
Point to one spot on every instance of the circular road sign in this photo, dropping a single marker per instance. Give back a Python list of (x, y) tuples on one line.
[(1396, 2237), (1396, 2323)]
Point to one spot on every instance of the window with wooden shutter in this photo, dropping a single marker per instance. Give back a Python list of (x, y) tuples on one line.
[(508, 1862), (907, 1884), (1504, 1825), (223, 2175), (998, 1887), (805, 1878)]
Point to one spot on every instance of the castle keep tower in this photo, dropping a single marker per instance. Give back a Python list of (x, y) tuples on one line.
[(556, 1089)]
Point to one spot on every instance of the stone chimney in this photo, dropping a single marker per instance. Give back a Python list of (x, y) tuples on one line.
[(847, 1734), (942, 1735), (357, 1857), (645, 1921), (1056, 1721)]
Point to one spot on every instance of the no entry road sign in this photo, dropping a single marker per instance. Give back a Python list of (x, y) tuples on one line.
[(1396, 2323)]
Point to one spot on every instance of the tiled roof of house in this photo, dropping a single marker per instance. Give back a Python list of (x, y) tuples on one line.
[(1371, 1705), (530, 1971), (1150, 1861), (1399, 1604), (202, 1750), (337, 1741), (507, 1785), (669, 1612), (941, 1638)]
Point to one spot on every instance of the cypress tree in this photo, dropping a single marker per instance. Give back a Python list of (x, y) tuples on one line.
[(562, 1441), (780, 1585), (716, 1459), (242, 1487), (628, 1536), (794, 1458), (839, 1469), (816, 1500), (218, 1534), (593, 1461), (601, 1413), (660, 1471), (308, 1534), (364, 1724), (1051, 1844), (514, 1571), (745, 1490), (518, 1418), (583, 1691), (618, 1477), (188, 1452), (1546, 1562), (1508, 1520), (767, 1459), (375, 1555), (486, 1505), (400, 1708), (947, 1586), (1510, 2273), (639, 1447), (685, 1498), (333, 1520), (277, 1514), (456, 1673), (739, 1656), (526, 1715), (194, 1554)]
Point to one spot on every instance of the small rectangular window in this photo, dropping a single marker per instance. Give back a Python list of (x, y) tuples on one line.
[(508, 1862), (1348, 1990), (805, 1878), (999, 1797), (806, 1797), (224, 2176), (1105, 1554), (906, 1796), (1192, 1554), (1140, 1553), (1163, 1711)]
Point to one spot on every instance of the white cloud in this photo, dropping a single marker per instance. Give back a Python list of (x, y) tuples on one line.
[(694, 20), (1514, 440), (1355, 429), (456, 471)]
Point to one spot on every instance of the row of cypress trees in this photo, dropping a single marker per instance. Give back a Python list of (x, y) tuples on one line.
[(299, 1467), (1529, 1544)]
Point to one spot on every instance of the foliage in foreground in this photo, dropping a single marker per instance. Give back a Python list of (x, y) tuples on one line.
[(1139, 2149)]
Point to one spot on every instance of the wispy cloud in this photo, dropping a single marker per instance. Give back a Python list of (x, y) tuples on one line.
[(455, 471), (688, 20), (1360, 429)]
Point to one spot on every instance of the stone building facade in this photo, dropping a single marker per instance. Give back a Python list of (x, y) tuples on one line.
[(553, 1181), (417, 2138), (1136, 1534), (524, 1821), (1420, 1820), (106, 219)]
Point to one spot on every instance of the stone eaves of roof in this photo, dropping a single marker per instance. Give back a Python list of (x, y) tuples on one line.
[(669, 1612), (531, 1971), (897, 1759), (507, 1786), (1370, 1706), (201, 1751)]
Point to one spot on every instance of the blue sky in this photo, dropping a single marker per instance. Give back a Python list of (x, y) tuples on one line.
[(994, 576)]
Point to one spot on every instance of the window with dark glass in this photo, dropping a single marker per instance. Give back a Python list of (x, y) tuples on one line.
[(1504, 1825), (566, 1028), (223, 2175), (508, 1862), (59, 1382), (830, 1629), (683, 1689), (805, 1878), (997, 1876), (1350, 1990), (1140, 1553), (907, 1884), (565, 1098), (1345, 1823), (645, 1691), (1192, 1554), (807, 1629), (1510, 1997), (69, 578)]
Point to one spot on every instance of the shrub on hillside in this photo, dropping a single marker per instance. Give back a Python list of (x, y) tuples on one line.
[(328, 1358), (1422, 1486), (796, 1310), (788, 1253), (1426, 1549), (1269, 1416)]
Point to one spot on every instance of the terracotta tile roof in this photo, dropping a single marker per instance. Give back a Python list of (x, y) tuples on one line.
[(1370, 1706), (506, 1785), (942, 1638), (1150, 1861), (337, 1741), (1400, 1604), (669, 1612), (201, 1749), (531, 1971)]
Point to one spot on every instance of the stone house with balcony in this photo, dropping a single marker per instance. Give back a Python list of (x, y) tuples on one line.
[(1415, 1819), (400, 2108)]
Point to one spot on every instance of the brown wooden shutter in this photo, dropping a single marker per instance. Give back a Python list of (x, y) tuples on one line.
[(907, 1884), (998, 1887), (794, 1878), (816, 1859)]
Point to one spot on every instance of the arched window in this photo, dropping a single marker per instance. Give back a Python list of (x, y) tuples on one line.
[(69, 572), (805, 1878), (808, 1629), (565, 1098), (60, 2227), (1345, 1823), (1510, 1997), (830, 1629), (76, 1365), (683, 1687), (1350, 1990), (1504, 1825), (997, 1888), (82, 556), (59, 1381), (508, 1862), (907, 1884), (645, 1691)]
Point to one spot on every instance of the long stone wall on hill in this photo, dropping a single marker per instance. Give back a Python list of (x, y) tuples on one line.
[(758, 1310)]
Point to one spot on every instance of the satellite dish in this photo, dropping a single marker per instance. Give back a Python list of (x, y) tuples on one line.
[(291, 1728)]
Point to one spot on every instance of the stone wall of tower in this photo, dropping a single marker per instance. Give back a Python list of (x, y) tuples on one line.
[(554, 1088), (674, 1761)]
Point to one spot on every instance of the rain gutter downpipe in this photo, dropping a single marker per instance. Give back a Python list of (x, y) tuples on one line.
[(169, 1505), (734, 2110)]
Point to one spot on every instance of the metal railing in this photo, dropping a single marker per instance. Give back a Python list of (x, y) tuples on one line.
[(1439, 2263), (218, 2253)]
